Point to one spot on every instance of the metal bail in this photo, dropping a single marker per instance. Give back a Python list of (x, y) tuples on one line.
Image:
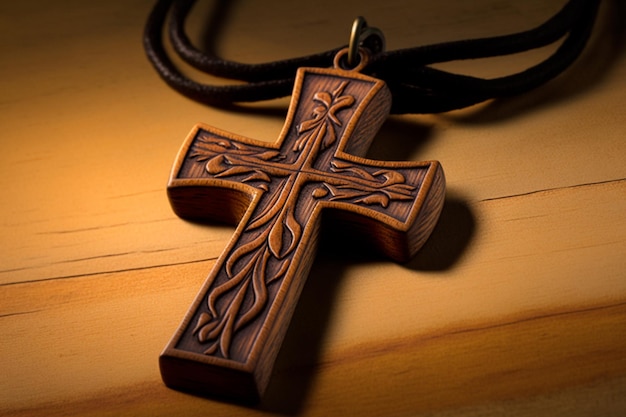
[(364, 36), (341, 61)]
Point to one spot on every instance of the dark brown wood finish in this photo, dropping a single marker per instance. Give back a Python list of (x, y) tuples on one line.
[(229, 339)]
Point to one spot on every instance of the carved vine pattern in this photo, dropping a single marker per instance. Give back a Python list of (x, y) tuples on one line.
[(380, 187), (276, 230), (247, 266), (227, 158)]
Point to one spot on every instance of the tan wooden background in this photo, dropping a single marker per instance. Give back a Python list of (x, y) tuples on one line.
[(516, 306)]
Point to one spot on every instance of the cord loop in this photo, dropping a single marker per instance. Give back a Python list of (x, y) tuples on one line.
[(415, 86)]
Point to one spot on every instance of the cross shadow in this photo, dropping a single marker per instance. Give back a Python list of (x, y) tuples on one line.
[(398, 138), (296, 366), (299, 359), (297, 363)]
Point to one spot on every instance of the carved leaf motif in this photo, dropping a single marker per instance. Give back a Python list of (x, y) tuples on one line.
[(243, 250), (391, 177), (342, 166), (216, 165), (320, 192), (202, 320), (260, 293), (328, 136), (204, 147), (257, 175), (267, 155), (286, 225), (275, 240), (206, 330), (294, 228), (324, 98), (270, 210), (343, 193), (235, 170), (322, 125), (341, 103), (378, 188), (278, 236), (311, 123), (226, 159), (378, 198)]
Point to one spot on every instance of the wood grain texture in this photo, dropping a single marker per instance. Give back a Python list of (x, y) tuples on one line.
[(515, 306)]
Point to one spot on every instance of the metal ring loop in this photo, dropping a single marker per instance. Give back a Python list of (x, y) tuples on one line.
[(340, 60), (363, 35)]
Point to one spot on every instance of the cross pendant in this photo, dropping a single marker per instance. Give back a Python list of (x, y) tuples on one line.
[(229, 339)]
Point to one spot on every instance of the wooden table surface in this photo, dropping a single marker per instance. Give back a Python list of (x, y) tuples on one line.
[(516, 306)]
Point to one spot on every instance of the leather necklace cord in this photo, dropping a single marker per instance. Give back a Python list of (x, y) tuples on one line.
[(415, 86)]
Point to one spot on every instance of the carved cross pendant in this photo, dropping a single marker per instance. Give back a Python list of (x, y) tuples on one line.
[(229, 339)]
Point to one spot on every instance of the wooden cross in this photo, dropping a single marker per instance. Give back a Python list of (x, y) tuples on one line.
[(229, 339)]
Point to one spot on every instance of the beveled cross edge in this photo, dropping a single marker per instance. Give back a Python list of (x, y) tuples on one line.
[(434, 173)]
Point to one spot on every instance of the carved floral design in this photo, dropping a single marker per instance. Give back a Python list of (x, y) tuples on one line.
[(248, 270), (271, 237), (226, 158), (254, 265), (322, 126), (379, 187)]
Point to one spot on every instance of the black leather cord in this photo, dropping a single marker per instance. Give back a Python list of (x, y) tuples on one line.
[(415, 87)]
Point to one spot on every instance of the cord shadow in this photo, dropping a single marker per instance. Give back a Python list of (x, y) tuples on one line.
[(217, 19), (593, 66)]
